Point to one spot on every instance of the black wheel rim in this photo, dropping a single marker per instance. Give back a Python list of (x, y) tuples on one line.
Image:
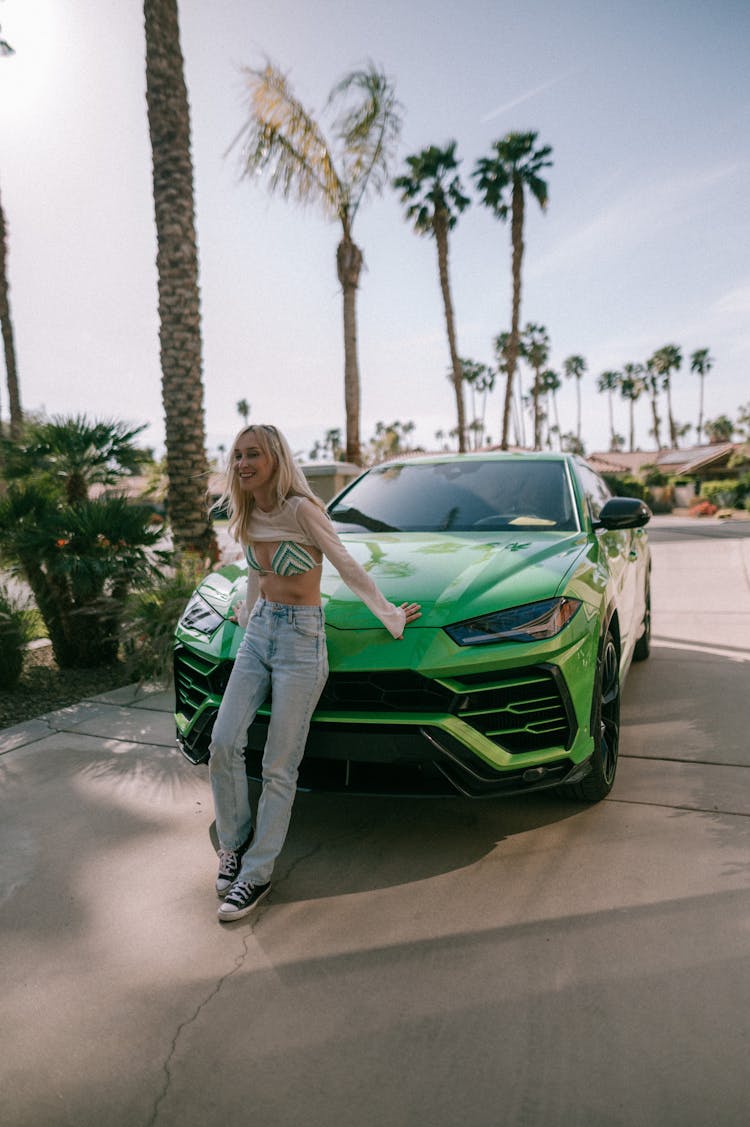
[(609, 733)]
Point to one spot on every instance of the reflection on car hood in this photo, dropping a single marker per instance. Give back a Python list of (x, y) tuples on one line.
[(453, 576)]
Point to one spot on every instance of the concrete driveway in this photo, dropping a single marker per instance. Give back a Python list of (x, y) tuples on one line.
[(435, 962)]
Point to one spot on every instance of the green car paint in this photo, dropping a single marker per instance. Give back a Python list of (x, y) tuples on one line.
[(501, 717)]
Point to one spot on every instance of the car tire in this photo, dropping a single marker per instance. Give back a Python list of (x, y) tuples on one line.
[(605, 725), (643, 645)]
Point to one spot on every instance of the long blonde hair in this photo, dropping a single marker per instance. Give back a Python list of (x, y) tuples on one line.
[(288, 480)]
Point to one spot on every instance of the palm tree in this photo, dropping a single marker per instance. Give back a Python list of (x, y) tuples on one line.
[(550, 385), (632, 384), (534, 347), (481, 380), (484, 384), (243, 410), (6, 323), (651, 381), (502, 353), (283, 139), (73, 454), (514, 166), (177, 266), (609, 381), (663, 362), (720, 429), (434, 199), (701, 362), (574, 368)]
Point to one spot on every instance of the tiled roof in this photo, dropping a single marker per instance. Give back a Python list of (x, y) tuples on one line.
[(688, 460)]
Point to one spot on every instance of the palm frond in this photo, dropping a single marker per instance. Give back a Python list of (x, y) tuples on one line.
[(427, 184), (282, 140), (369, 130)]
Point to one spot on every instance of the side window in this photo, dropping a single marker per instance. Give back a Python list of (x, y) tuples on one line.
[(595, 489)]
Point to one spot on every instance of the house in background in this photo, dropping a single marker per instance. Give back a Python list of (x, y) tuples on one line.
[(688, 468)]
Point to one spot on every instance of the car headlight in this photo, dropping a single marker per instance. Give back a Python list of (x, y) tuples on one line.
[(198, 615), (529, 623)]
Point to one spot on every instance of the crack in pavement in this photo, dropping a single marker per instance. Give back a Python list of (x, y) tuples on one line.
[(238, 963), (166, 1067)]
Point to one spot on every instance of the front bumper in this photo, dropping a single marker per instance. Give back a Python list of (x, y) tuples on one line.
[(490, 720)]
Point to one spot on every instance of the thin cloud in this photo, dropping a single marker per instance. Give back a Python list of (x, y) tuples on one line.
[(524, 97), (634, 217)]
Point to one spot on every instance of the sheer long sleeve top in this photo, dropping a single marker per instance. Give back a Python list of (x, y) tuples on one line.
[(298, 521)]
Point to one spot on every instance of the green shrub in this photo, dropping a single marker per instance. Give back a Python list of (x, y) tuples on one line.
[(14, 633), (625, 485), (722, 493), (742, 500), (151, 616), (80, 561), (653, 475)]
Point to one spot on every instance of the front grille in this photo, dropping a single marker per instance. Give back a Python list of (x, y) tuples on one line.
[(195, 678), (523, 711), (526, 710), (402, 691)]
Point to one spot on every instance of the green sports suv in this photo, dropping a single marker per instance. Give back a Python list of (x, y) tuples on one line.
[(534, 586)]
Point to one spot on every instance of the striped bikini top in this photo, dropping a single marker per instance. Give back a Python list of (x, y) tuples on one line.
[(288, 559)]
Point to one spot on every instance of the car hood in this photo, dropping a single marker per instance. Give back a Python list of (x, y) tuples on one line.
[(453, 576)]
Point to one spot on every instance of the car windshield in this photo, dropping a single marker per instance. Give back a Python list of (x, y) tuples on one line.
[(459, 496)]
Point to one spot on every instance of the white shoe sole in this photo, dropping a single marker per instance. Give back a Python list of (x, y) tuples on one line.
[(240, 913)]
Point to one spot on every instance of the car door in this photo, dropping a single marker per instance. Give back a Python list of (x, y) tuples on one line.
[(620, 552)]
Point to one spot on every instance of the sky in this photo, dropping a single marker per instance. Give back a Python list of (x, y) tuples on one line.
[(646, 104)]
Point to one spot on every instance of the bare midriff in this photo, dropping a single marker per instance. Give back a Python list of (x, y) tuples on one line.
[(296, 590)]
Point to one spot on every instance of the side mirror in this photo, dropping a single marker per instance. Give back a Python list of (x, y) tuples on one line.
[(623, 512)]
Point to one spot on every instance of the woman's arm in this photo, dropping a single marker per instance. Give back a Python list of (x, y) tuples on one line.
[(242, 610), (320, 532)]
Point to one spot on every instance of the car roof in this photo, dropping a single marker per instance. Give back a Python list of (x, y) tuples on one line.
[(479, 456)]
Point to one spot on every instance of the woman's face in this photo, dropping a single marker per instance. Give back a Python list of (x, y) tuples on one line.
[(254, 468)]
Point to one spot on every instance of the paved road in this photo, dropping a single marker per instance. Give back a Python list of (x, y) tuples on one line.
[(431, 962)]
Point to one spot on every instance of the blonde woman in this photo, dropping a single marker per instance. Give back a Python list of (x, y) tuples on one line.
[(285, 532)]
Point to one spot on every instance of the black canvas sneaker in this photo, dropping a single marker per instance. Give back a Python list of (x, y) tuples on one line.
[(229, 866), (241, 899)]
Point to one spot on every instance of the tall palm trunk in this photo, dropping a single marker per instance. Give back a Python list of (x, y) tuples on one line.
[(177, 264), (578, 408), (516, 231), (14, 398), (656, 420), (441, 239), (536, 407), (348, 266), (700, 410), (611, 419), (672, 428)]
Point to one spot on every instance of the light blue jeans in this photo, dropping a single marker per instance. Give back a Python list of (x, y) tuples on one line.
[(284, 650)]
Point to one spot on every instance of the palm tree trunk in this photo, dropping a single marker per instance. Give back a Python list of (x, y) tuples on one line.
[(348, 266), (611, 419), (535, 397), (14, 398), (656, 419), (578, 416), (700, 411), (177, 265), (670, 417), (632, 425), (516, 229), (441, 239)]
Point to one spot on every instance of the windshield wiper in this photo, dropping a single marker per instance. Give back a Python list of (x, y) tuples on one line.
[(348, 515)]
